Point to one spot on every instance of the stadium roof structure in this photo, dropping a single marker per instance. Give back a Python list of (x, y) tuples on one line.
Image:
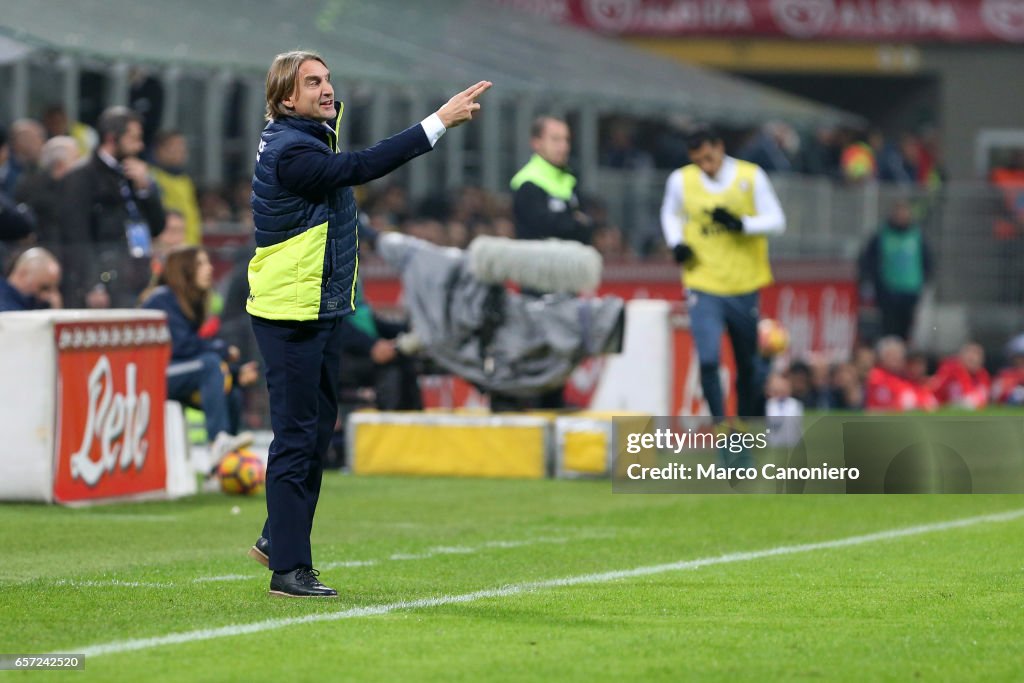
[(434, 46)]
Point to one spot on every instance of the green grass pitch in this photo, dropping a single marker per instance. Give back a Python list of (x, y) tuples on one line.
[(936, 603)]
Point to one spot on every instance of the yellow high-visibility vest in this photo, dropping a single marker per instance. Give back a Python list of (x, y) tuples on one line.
[(725, 263)]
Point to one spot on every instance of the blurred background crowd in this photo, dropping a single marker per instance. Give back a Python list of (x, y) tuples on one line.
[(898, 139)]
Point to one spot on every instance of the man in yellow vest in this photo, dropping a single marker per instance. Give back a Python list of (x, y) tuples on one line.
[(716, 215)]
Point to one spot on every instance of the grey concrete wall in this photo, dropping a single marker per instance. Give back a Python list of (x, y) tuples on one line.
[(980, 87)]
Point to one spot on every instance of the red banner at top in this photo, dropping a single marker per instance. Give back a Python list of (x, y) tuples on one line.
[(907, 20)]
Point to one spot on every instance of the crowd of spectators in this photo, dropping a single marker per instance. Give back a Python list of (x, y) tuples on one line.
[(889, 378), (845, 154)]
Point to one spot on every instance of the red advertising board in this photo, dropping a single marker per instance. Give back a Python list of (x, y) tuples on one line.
[(873, 20), (111, 389)]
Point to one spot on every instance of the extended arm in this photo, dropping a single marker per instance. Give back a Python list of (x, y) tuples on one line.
[(309, 170)]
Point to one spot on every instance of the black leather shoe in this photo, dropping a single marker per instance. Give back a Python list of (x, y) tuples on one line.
[(260, 551), (300, 583)]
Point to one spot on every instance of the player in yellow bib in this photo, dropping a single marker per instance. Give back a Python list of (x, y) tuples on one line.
[(716, 215)]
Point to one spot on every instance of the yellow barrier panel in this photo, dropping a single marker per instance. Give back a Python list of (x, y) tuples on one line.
[(584, 444), (448, 445), (585, 453)]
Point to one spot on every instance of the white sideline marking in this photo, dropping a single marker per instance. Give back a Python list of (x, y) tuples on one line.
[(451, 550), (348, 563), (108, 583), (515, 589), (225, 577)]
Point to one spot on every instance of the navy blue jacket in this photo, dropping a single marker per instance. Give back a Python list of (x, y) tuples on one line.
[(186, 344), (13, 300), (306, 262)]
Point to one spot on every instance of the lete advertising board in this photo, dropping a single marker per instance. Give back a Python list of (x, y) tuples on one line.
[(111, 388)]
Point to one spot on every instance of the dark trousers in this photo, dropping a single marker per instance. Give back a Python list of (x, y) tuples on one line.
[(302, 361), (710, 316), (897, 313)]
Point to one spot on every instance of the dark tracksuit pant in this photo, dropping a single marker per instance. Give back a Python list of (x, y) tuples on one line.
[(303, 411), (710, 316), (204, 374)]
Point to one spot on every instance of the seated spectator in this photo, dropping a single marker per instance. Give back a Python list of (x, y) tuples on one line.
[(172, 237), (888, 388), (917, 369), (819, 153), (863, 361), (846, 391), (371, 357), (1008, 387), (892, 166), (199, 365), (962, 380), (768, 147), (34, 283), (25, 144), (801, 379), (16, 220), (784, 412)]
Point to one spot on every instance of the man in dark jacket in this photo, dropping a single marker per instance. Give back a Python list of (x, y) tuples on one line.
[(545, 205), (111, 214), (34, 283), (303, 280), (544, 202), (43, 190)]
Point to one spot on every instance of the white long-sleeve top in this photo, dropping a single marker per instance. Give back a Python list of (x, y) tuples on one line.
[(768, 220)]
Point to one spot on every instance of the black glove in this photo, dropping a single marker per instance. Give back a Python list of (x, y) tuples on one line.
[(682, 253), (727, 219)]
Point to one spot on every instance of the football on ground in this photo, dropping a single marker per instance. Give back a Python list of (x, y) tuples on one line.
[(241, 472)]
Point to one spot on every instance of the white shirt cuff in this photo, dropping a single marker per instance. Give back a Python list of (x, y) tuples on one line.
[(433, 127)]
